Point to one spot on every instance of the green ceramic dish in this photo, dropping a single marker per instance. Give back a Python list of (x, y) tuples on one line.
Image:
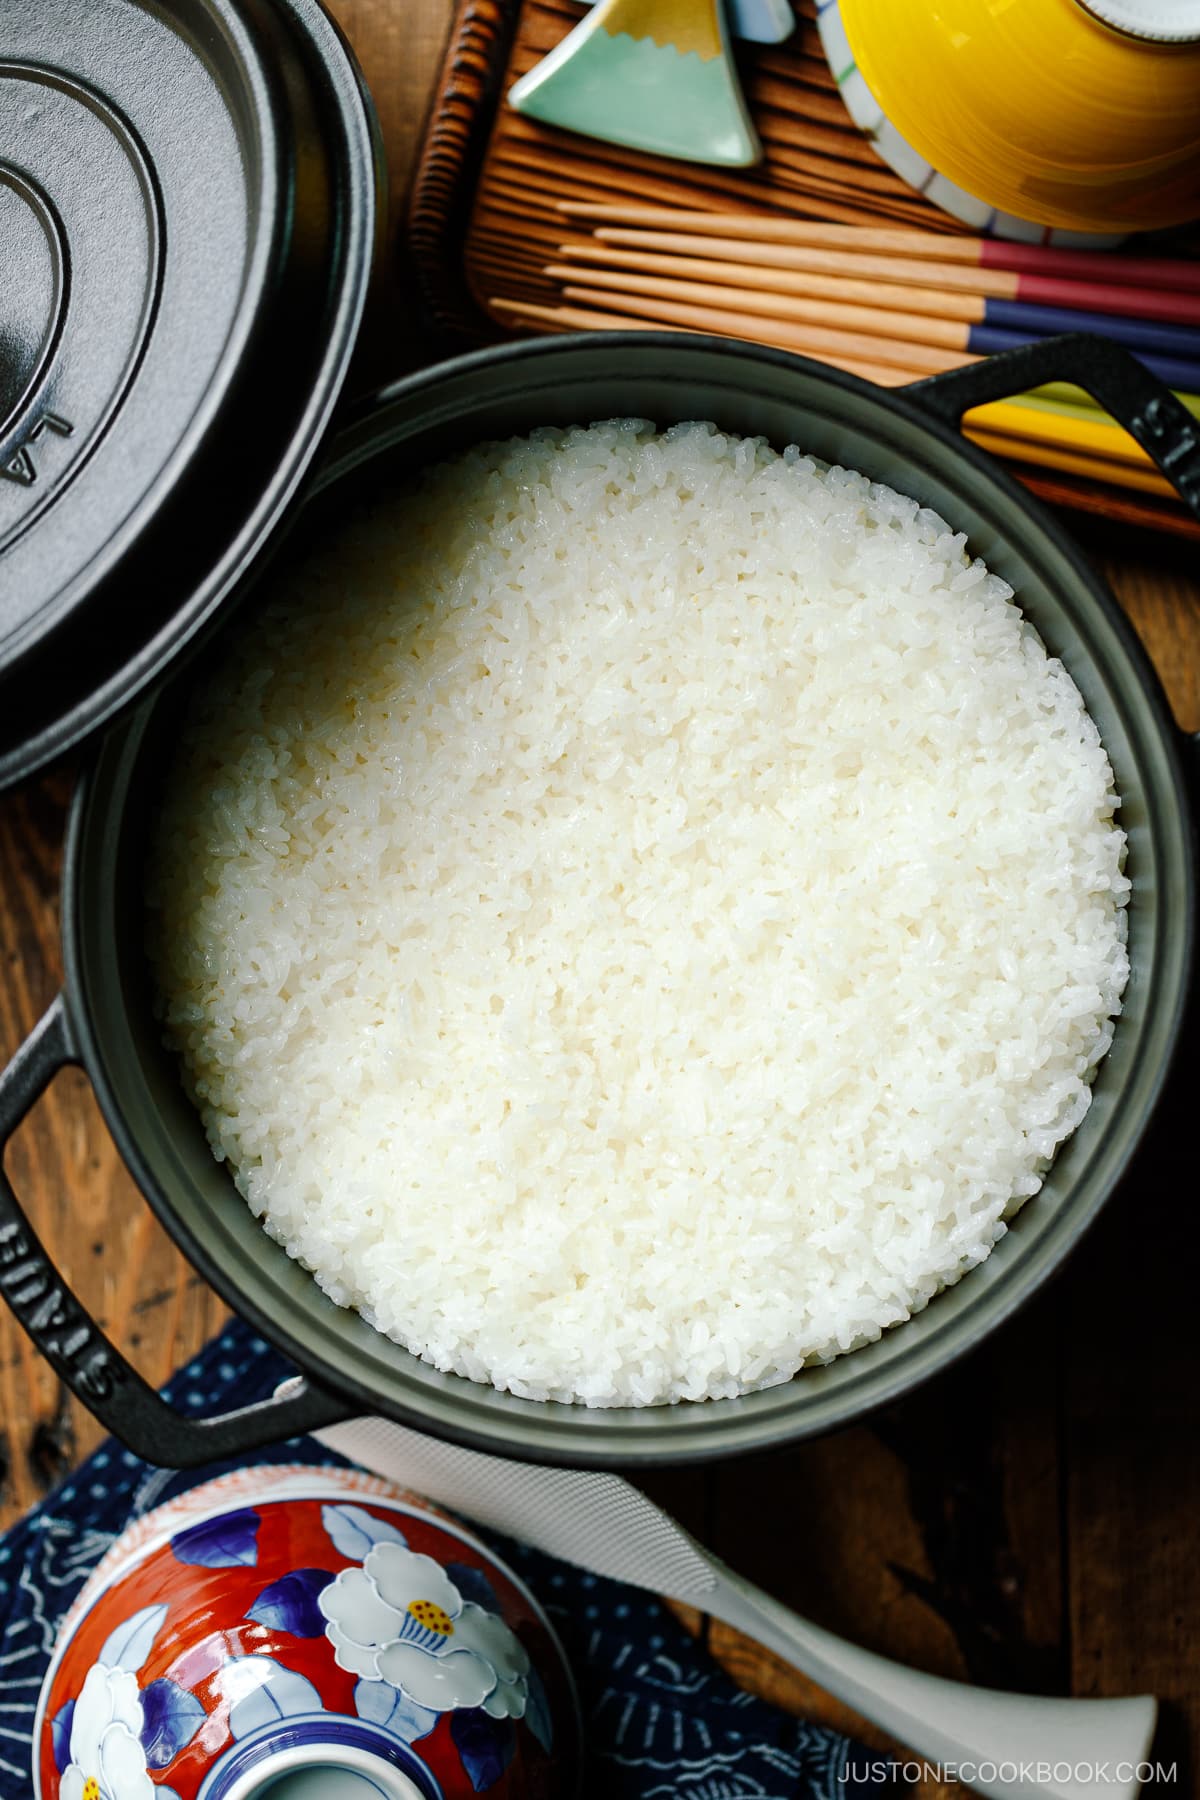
[(104, 1018)]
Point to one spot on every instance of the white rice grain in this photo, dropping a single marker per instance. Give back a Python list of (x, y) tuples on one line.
[(639, 914)]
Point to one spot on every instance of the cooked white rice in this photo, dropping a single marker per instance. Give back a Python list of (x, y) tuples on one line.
[(640, 914)]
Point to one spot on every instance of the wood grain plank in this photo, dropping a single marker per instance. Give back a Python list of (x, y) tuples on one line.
[(814, 159), (81, 1201)]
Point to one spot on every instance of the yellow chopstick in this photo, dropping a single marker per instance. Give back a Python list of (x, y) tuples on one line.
[(1091, 435), (1097, 468), (1064, 396)]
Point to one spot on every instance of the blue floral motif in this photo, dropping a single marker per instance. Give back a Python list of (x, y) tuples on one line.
[(473, 1584), (662, 1720), (269, 1691), (226, 1542), (290, 1604), (382, 1704), (171, 1717), (60, 1735), (485, 1744), (354, 1531), (537, 1711), (129, 1644)]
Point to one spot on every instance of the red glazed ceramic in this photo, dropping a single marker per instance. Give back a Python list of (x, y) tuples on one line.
[(304, 1634)]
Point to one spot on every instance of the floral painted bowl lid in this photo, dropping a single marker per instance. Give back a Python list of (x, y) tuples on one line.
[(304, 1634)]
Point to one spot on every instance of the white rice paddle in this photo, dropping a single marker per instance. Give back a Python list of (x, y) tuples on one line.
[(1008, 1746)]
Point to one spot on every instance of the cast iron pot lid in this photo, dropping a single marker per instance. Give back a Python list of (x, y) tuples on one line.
[(187, 224)]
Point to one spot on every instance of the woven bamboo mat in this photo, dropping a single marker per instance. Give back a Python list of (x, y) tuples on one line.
[(816, 164), (483, 218)]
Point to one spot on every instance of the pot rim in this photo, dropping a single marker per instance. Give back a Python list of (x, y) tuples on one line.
[(711, 1435)]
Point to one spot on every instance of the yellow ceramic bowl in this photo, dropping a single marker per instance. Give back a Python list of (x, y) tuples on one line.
[(1038, 108)]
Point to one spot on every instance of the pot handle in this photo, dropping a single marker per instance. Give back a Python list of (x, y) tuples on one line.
[(74, 1344), (1148, 410)]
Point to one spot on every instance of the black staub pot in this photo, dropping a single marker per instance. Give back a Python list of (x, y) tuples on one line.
[(104, 1018)]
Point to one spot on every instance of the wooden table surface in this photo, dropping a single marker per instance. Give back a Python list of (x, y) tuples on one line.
[(1028, 1519)]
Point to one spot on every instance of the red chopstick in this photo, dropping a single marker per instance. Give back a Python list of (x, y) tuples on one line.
[(1181, 274), (1089, 265)]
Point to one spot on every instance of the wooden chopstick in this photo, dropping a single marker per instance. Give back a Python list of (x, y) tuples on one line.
[(1032, 422), (861, 266), (1000, 284), (1085, 434), (820, 190), (872, 321), (1146, 481), (1117, 505), (921, 359), (580, 318), (1075, 265), (894, 295), (996, 427), (810, 234), (1065, 393), (1171, 351)]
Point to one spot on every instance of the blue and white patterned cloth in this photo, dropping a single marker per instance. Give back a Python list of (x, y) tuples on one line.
[(662, 1721)]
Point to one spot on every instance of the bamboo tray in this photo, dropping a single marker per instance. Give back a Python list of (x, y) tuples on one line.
[(483, 219)]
